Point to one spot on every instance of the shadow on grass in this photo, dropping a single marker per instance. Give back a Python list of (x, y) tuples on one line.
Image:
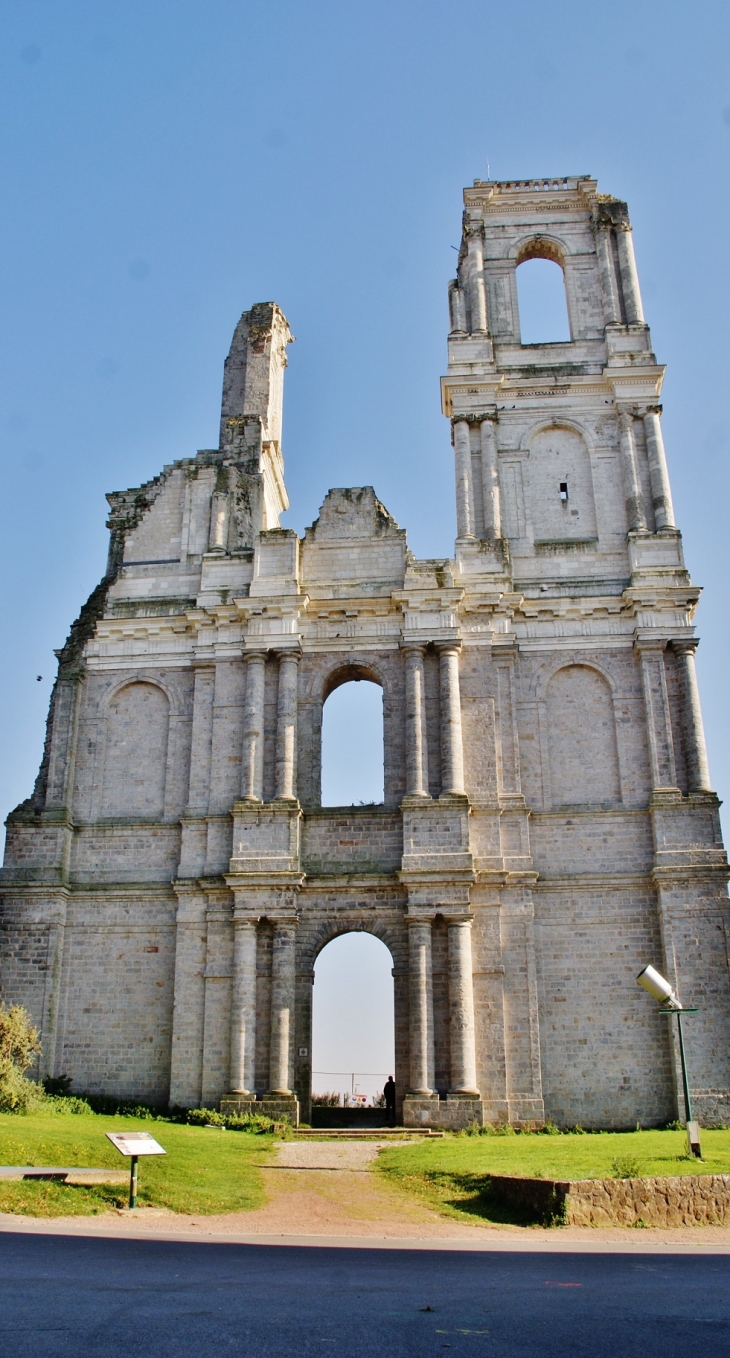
[(472, 1195), (48, 1199)]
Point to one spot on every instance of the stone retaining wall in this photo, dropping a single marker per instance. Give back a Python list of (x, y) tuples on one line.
[(680, 1200)]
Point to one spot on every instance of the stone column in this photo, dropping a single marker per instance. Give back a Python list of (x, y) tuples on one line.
[(632, 488), (658, 718), (252, 781), (490, 481), (286, 727), (283, 984), (477, 291), (243, 1006), (452, 752), (695, 750), (457, 308), (464, 485), (661, 493), (416, 735), (461, 1009), (421, 1007), (629, 277), (219, 514), (611, 300)]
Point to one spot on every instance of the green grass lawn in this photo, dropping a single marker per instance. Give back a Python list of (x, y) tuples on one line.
[(453, 1174), (203, 1171)]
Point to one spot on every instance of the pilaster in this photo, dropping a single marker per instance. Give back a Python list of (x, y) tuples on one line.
[(658, 719), (217, 1004), (194, 824), (188, 1015)]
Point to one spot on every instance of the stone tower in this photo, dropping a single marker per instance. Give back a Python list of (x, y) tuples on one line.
[(548, 824)]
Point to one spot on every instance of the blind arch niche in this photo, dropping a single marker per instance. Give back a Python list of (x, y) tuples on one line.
[(584, 769), (562, 502), (135, 753)]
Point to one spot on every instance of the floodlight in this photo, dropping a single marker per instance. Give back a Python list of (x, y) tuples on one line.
[(659, 989)]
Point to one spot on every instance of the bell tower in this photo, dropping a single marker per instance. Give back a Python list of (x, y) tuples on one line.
[(565, 522), (560, 463)]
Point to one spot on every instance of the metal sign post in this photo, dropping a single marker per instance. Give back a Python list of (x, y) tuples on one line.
[(133, 1183), (134, 1144)]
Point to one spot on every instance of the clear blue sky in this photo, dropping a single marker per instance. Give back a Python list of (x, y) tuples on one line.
[(164, 165)]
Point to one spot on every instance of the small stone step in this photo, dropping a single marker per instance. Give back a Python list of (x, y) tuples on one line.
[(362, 1134)]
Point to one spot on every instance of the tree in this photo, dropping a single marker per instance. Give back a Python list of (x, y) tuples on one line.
[(19, 1045)]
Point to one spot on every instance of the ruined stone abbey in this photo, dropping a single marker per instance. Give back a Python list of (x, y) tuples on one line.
[(548, 824)]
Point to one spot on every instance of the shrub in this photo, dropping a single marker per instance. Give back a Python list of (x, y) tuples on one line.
[(19, 1045), (234, 1122), (626, 1167), (487, 1129), (109, 1106), (206, 1117), (330, 1099), (71, 1103)]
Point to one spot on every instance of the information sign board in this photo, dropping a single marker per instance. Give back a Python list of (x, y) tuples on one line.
[(135, 1143)]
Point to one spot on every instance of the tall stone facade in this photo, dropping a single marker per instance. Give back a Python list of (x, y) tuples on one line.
[(548, 824)]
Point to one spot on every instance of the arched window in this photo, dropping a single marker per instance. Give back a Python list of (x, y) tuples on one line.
[(135, 752), (353, 1044), (582, 739), (541, 300), (352, 744)]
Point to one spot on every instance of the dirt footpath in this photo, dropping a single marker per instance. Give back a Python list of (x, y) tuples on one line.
[(330, 1190)]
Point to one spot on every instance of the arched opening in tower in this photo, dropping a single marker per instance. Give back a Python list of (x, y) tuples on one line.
[(542, 302), (352, 745)]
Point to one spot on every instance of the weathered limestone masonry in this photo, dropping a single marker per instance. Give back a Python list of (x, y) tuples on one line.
[(548, 824)]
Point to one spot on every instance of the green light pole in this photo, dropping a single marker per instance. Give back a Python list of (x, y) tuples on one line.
[(655, 984), (682, 1057)]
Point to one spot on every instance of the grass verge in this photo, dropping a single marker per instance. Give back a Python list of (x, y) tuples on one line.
[(204, 1171), (453, 1175)]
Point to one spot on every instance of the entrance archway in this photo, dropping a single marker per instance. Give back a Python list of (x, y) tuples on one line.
[(353, 1029)]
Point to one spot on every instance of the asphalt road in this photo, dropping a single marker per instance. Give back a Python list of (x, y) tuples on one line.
[(74, 1295)]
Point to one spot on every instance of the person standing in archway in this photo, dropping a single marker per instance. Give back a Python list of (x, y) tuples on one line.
[(389, 1093)]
